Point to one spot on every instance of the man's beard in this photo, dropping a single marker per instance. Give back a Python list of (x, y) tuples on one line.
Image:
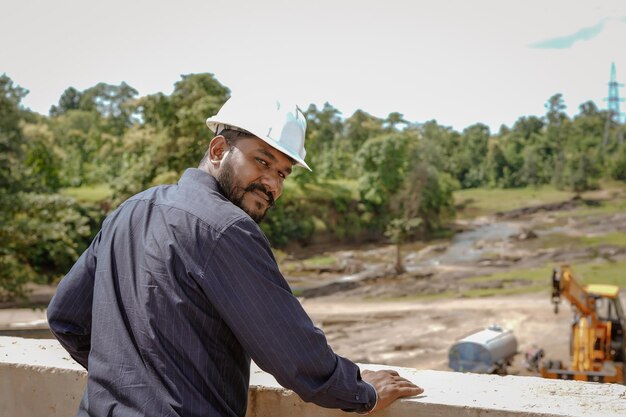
[(235, 192)]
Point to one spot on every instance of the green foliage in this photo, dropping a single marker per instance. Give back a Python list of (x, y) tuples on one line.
[(471, 154), (427, 196), (89, 194), (70, 100), (79, 136), (41, 159), (10, 133), (383, 162), (289, 221), (41, 239), (183, 139), (324, 141), (371, 174), (400, 230), (618, 164)]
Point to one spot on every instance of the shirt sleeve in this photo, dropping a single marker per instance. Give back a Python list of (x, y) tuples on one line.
[(243, 282), (69, 311)]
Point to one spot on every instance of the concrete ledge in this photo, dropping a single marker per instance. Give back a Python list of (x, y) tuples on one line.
[(38, 378)]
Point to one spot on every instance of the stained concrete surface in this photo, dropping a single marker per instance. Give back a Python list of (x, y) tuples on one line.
[(38, 378)]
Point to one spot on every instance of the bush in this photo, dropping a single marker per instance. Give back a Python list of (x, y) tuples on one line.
[(288, 221), (42, 237)]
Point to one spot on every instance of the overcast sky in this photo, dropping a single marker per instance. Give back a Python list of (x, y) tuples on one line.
[(459, 62)]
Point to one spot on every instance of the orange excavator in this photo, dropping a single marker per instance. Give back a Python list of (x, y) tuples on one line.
[(597, 344)]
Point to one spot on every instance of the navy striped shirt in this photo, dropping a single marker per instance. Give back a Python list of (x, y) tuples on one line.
[(176, 293)]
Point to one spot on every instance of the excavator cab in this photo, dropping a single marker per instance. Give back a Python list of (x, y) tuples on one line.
[(610, 310)]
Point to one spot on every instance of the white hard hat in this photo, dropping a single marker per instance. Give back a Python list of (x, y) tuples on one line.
[(282, 126)]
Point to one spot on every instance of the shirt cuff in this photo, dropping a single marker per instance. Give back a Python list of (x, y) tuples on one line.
[(375, 401)]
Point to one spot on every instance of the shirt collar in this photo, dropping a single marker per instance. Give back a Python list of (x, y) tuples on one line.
[(195, 176)]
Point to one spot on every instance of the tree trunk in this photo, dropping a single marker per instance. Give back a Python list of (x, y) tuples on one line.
[(399, 264)]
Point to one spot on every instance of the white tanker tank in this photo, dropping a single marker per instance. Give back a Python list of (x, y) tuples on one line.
[(486, 351)]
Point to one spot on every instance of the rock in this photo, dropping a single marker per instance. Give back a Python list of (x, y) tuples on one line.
[(525, 234)]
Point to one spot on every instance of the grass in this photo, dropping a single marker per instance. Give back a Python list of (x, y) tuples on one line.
[(531, 274), (603, 208), (421, 297), (540, 278), (490, 292), (552, 240), (320, 261), (486, 201), (611, 273), (614, 238), (89, 193)]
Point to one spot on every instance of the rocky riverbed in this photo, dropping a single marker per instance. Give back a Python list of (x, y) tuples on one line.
[(372, 314)]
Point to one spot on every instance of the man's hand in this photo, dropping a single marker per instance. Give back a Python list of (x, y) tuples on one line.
[(389, 386)]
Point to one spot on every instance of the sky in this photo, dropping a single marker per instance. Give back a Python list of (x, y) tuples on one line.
[(456, 61)]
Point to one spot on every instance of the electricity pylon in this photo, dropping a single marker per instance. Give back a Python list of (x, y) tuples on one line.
[(614, 116)]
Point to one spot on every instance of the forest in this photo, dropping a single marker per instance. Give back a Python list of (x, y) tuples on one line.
[(373, 180)]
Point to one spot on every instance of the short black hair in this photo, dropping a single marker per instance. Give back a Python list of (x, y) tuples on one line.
[(231, 136)]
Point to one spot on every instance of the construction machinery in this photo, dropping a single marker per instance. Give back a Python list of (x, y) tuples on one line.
[(597, 344)]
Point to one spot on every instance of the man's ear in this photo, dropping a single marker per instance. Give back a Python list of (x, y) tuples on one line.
[(217, 150)]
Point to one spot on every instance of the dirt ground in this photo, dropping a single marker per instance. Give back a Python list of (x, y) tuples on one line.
[(371, 315), (418, 334)]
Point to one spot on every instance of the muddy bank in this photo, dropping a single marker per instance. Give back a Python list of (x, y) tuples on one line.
[(412, 319), (531, 237)]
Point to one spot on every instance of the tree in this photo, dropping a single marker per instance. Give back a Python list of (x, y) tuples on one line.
[(527, 126), (70, 100), (422, 205), (10, 132), (40, 234), (555, 135), (79, 134), (383, 162), (468, 159), (618, 164), (41, 164), (399, 231), (324, 141), (360, 127), (555, 106), (195, 97), (393, 120), (115, 103)]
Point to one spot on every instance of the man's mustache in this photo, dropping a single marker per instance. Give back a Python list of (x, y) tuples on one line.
[(255, 186)]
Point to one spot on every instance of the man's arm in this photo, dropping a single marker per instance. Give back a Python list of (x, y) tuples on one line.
[(243, 282), (69, 312)]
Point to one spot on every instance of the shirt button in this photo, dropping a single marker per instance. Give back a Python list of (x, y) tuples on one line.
[(357, 397)]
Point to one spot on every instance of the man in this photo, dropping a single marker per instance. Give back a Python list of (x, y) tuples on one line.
[(179, 289)]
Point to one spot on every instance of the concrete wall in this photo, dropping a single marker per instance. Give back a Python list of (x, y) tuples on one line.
[(37, 378)]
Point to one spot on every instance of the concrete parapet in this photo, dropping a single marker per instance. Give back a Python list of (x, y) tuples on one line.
[(38, 378)]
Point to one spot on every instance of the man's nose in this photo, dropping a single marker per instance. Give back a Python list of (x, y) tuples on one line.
[(274, 184)]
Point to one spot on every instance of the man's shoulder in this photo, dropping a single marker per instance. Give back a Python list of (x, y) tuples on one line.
[(201, 204)]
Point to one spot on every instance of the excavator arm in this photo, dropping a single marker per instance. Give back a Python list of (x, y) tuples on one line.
[(592, 356), (564, 283)]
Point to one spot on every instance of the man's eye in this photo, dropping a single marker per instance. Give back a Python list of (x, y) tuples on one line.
[(262, 162), (280, 174)]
